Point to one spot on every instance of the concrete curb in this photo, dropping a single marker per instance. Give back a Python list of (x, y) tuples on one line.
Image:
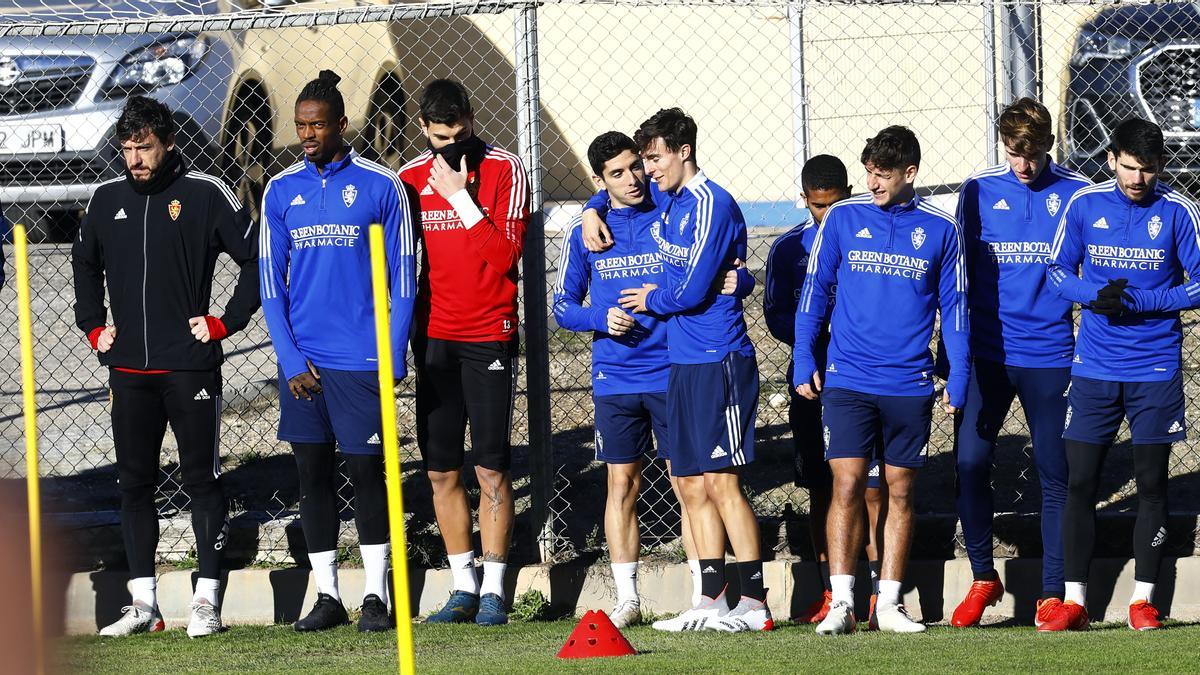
[(932, 590)]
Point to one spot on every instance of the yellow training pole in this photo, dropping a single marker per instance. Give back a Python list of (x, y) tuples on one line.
[(391, 454), (32, 489)]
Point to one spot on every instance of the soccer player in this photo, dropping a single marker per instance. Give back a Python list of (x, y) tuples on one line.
[(317, 297), (629, 356), (1133, 238), (712, 388), (824, 181), (151, 238), (1022, 336), (474, 209), (896, 261)]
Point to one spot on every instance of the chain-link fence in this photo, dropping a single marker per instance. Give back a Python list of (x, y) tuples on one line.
[(769, 83)]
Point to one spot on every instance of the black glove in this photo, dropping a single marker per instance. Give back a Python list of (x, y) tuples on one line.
[(1113, 300)]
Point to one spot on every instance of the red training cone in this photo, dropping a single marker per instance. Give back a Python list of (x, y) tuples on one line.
[(595, 636)]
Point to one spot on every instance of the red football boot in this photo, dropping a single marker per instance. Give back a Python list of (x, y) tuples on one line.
[(1143, 616), (1066, 616), (983, 594), (817, 611)]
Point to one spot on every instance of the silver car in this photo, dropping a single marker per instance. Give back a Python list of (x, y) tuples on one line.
[(232, 92)]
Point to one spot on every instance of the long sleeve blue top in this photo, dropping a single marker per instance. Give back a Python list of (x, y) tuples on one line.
[(1008, 228), (314, 257), (634, 363), (1103, 236), (895, 268)]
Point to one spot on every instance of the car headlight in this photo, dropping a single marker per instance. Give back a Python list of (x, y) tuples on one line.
[(159, 64), (1094, 45)]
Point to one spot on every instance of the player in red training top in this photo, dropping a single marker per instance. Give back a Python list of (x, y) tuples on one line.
[(474, 208)]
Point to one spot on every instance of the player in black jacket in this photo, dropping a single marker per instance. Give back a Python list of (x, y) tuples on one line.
[(153, 238)]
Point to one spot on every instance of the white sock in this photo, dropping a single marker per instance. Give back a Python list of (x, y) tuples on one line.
[(462, 566), (324, 567), (843, 588), (1142, 591), (493, 578), (144, 590), (207, 589), (694, 566), (375, 569), (889, 593), (1076, 593), (625, 574)]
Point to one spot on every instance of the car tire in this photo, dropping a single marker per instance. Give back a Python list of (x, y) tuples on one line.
[(245, 159)]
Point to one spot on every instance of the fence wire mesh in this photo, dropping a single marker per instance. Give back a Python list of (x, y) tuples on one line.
[(769, 83)]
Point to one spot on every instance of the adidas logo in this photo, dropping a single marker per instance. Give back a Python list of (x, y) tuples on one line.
[(496, 365), (427, 190), (756, 575), (863, 234), (1101, 224), (1076, 359), (298, 201), (832, 368), (202, 396), (718, 452), (600, 375), (120, 215), (1159, 537), (373, 440), (1175, 428), (1000, 205), (708, 570)]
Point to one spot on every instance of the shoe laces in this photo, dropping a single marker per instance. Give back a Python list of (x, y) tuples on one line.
[(1146, 610), (205, 612), (626, 604), (904, 612), (981, 589)]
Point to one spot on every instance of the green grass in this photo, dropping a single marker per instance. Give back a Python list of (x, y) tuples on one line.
[(531, 648)]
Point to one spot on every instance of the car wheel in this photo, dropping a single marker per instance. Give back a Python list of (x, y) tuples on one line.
[(245, 160), (384, 133)]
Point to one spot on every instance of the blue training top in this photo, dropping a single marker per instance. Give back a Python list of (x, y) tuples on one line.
[(637, 362), (894, 267), (1008, 228), (1151, 244), (700, 233), (315, 261)]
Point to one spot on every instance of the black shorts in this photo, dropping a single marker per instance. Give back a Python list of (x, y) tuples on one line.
[(461, 381)]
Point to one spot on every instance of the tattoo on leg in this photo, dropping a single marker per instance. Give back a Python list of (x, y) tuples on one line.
[(495, 498), (488, 556)]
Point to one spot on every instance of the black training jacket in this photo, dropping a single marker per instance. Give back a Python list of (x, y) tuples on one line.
[(156, 247)]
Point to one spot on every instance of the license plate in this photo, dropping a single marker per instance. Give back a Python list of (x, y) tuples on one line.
[(28, 139)]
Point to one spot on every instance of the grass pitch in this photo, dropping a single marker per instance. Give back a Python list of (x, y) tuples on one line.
[(531, 647)]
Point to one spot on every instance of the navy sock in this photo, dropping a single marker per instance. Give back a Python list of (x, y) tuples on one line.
[(750, 578), (712, 577)]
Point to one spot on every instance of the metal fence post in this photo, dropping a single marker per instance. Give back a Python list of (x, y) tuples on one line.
[(991, 93), (537, 354), (799, 98)]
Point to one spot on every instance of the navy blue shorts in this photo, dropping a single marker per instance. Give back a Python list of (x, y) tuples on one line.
[(857, 423), (347, 411), (1155, 410), (627, 426), (712, 407), (808, 439)]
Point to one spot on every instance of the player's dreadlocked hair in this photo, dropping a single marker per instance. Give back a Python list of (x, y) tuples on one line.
[(324, 89), (824, 172), (895, 147)]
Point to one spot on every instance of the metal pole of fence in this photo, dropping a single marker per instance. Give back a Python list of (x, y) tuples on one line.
[(32, 489), (391, 455), (991, 94), (537, 353), (799, 99), (1019, 23)]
